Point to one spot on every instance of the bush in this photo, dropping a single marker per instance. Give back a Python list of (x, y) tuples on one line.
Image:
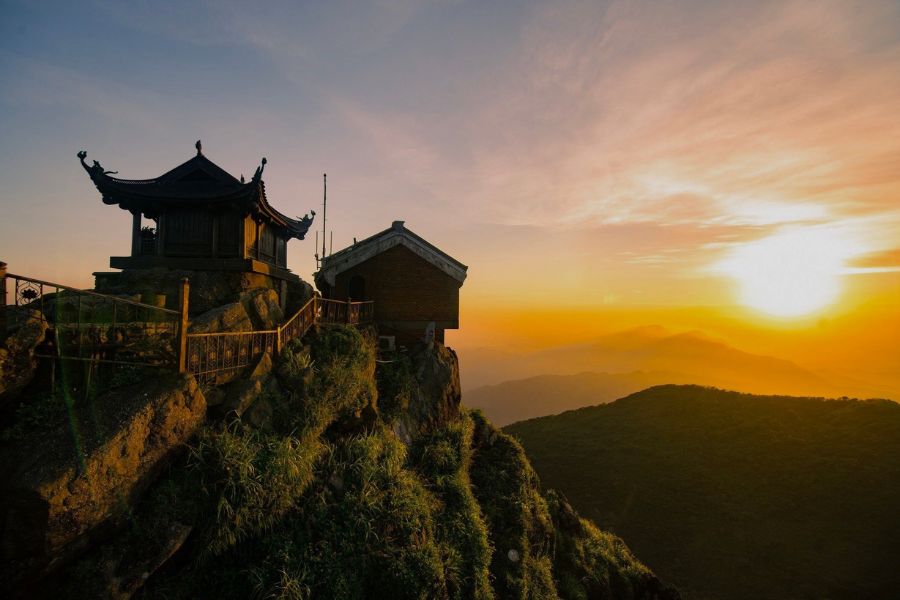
[(517, 516), (331, 378), (253, 478), (443, 457)]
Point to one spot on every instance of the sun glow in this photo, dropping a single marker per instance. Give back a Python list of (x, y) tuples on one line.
[(792, 273)]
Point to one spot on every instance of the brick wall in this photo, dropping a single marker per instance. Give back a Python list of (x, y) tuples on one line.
[(404, 287)]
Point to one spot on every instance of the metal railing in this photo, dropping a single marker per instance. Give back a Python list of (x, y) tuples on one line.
[(209, 354), (299, 324), (86, 325), (354, 313), (212, 354)]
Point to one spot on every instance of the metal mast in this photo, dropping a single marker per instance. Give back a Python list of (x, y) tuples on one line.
[(324, 208)]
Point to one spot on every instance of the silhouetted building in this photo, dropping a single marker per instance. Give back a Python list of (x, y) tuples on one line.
[(198, 219), (412, 282)]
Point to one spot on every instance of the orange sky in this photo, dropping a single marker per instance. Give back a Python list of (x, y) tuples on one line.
[(605, 156)]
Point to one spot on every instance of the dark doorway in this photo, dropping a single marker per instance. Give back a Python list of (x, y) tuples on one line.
[(356, 288)]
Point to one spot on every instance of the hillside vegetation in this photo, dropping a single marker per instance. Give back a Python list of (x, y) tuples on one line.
[(323, 477), (737, 496)]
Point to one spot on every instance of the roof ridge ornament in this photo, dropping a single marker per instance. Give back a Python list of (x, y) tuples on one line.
[(94, 170), (199, 148), (259, 169)]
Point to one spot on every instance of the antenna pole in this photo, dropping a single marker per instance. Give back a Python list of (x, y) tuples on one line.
[(324, 208)]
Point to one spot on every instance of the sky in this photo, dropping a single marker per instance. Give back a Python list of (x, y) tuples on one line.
[(601, 157)]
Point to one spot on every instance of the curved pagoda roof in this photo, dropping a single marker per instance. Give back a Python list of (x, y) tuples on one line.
[(198, 183)]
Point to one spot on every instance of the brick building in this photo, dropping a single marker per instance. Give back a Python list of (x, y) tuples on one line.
[(412, 283)]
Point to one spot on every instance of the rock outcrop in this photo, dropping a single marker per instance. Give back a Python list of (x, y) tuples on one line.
[(426, 384), (17, 360), (59, 488), (324, 476), (255, 309)]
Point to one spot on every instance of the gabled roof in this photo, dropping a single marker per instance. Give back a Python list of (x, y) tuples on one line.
[(197, 182), (396, 235)]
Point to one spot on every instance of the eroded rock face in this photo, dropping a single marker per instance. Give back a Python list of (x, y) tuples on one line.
[(242, 394), (58, 489), (435, 395), (263, 307), (17, 361), (230, 317), (256, 309)]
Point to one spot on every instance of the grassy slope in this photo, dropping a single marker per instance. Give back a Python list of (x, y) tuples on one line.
[(329, 503), (736, 496)]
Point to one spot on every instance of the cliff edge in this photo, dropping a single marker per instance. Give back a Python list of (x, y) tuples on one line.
[(323, 474)]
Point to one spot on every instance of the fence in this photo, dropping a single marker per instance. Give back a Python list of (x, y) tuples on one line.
[(90, 326), (337, 311), (210, 355), (85, 325)]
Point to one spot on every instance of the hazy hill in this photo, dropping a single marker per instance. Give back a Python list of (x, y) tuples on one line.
[(736, 496), (542, 395), (692, 357)]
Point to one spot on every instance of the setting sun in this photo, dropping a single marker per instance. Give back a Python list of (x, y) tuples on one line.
[(789, 274)]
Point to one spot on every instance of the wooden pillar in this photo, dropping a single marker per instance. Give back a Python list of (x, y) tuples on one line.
[(215, 235), (183, 297), (136, 233), (160, 234), (258, 240), (2, 298)]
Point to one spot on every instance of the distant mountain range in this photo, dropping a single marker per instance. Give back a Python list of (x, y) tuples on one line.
[(734, 496), (543, 395), (509, 387)]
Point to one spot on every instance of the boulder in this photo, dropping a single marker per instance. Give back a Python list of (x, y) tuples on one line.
[(256, 309), (264, 308), (17, 360), (59, 487), (260, 414), (229, 317), (240, 395)]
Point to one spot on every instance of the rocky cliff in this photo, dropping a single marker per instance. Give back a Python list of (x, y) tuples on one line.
[(323, 474)]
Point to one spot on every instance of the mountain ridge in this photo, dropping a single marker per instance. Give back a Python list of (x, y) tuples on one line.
[(736, 496)]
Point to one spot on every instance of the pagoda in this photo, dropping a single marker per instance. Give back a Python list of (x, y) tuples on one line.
[(199, 221)]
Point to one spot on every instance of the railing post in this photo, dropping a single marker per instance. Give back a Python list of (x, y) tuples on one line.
[(2, 297), (349, 310), (278, 341), (183, 325)]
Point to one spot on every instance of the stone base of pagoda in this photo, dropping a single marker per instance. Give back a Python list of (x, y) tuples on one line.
[(212, 283), (244, 265)]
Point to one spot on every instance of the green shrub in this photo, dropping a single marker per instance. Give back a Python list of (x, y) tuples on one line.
[(519, 524), (366, 529), (443, 457), (395, 387), (254, 479), (331, 378)]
